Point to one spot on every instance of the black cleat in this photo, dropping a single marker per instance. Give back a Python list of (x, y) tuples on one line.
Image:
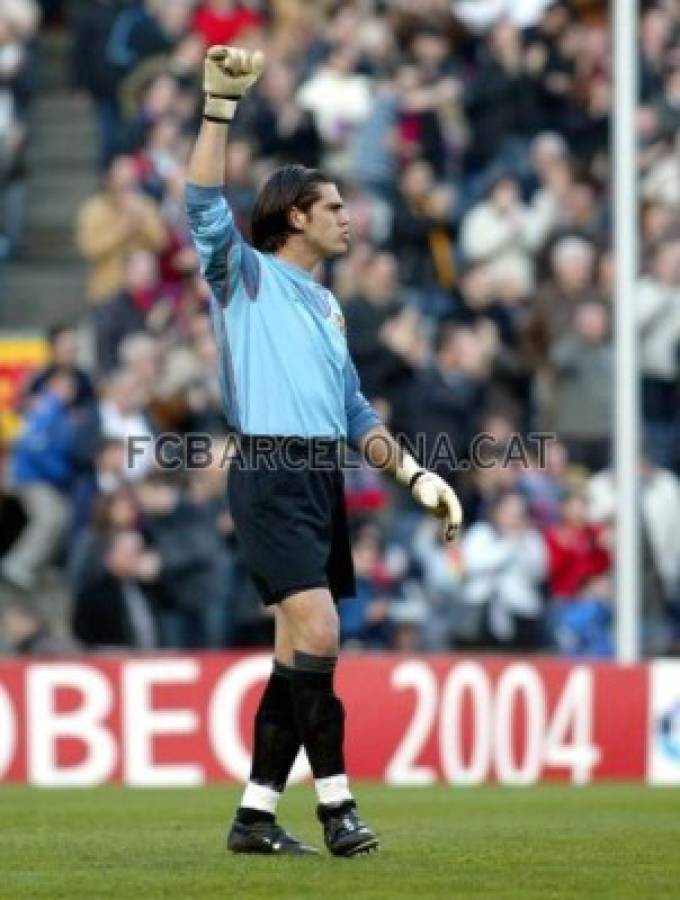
[(344, 832), (266, 838)]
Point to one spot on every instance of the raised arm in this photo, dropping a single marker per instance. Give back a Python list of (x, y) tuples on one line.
[(208, 158), (228, 75), (217, 240)]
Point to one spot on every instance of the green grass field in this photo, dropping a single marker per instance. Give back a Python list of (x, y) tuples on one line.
[(548, 842)]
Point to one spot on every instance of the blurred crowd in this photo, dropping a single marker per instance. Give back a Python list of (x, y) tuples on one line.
[(470, 141), (19, 20)]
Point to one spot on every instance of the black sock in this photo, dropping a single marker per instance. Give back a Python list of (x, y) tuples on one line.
[(247, 816), (276, 736), (319, 712)]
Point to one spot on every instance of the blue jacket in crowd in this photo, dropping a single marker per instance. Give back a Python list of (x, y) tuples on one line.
[(43, 451)]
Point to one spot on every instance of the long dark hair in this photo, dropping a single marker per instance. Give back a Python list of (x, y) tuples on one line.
[(289, 186)]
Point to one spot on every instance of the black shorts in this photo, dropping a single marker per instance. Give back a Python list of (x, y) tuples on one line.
[(290, 516)]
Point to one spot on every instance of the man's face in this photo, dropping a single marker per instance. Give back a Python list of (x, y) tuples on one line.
[(326, 225)]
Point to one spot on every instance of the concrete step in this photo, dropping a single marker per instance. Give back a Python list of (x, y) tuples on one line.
[(54, 61), (47, 283), (49, 243), (54, 216), (64, 139), (42, 296), (61, 108), (60, 158), (54, 198), (71, 187)]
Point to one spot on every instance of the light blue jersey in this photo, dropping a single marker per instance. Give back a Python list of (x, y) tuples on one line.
[(284, 365)]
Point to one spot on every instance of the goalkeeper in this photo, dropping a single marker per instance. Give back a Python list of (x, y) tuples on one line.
[(289, 384)]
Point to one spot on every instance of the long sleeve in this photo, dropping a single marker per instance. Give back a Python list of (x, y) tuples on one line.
[(227, 261), (361, 416)]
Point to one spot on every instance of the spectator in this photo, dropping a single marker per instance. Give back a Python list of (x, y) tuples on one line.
[(159, 98), (340, 100), (572, 283), (421, 237), (545, 483), (488, 482), (656, 31), (18, 22), (504, 563), (187, 392), (140, 355), (224, 21), (578, 551), (112, 225), (105, 477), (157, 160), (364, 619), (447, 617), (660, 514), (112, 574), (379, 365), (285, 132), (661, 182), (501, 233), (42, 471), (193, 566), (24, 631), (428, 102), (658, 308), (501, 100), (553, 170), (374, 144), (128, 311), (63, 357), (147, 29), (365, 491), (94, 72), (583, 361), (585, 628), (480, 15), (496, 308), (445, 398), (119, 413)]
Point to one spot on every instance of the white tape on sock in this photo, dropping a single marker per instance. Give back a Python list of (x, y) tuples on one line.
[(333, 789), (258, 796)]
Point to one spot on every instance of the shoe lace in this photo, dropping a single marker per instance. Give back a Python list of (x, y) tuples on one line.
[(278, 833), (351, 822)]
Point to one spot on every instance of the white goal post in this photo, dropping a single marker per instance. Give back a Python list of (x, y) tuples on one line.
[(627, 408)]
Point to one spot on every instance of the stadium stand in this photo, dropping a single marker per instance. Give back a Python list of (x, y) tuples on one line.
[(470, 141)]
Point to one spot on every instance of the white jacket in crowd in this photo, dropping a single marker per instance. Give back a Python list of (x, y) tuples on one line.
[(661, 511), (506, 571)]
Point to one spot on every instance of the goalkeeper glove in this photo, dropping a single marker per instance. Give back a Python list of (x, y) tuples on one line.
[(228, 73), (433, 493)]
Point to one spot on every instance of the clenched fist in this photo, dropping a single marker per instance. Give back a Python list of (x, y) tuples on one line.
[(228, 73)]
